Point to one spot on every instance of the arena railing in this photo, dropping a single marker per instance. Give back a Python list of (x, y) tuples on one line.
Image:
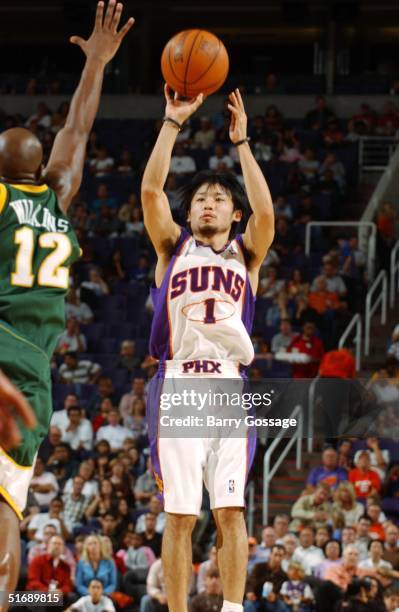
[(356, 323), (269, 473), (375, 153), (250, 493), (394, 275), (360, 225), (381, 284)]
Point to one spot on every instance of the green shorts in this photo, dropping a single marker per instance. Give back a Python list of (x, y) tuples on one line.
[(28, 368)]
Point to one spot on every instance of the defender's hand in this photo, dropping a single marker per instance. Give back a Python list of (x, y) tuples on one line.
[(12, 402), (238, 124), (105, 40), (180, 110)]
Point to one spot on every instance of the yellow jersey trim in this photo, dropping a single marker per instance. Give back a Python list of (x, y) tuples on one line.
[(11, 502), (23, 340), (3, 196), (30, 188), (17, 465)]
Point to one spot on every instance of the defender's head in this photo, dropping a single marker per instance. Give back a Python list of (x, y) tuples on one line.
[(213, 202), (21, 156)]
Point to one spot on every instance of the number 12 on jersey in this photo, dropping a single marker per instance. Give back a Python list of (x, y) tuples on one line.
[(51, 272)]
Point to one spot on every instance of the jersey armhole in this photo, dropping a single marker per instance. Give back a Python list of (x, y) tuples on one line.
[(184, 234), (3, 197)]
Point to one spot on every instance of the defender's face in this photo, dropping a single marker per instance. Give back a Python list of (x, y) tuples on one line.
[(212, 211)]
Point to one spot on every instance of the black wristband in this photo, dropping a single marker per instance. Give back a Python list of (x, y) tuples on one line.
[(174, 122), (243, 141)]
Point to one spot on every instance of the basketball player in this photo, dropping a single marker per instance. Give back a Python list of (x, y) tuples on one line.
[(37, 247), (206, 280)]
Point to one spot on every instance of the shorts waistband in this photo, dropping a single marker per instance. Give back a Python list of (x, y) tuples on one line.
[(201, 368)]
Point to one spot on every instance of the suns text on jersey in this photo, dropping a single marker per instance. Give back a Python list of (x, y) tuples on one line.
[(203, 278)]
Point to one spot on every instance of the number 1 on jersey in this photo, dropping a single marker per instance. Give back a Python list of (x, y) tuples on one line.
[(210, 311)]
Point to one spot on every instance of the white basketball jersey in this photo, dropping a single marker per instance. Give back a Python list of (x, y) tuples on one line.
[(204, 307)]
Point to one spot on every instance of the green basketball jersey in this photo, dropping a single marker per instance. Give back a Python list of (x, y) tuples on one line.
[(37, 247)]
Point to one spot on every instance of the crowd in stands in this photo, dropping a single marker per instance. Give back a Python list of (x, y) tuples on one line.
[(93, 525)]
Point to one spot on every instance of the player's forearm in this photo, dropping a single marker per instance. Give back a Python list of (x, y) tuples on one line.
[(158, 165), (86, 99), (258, 192)]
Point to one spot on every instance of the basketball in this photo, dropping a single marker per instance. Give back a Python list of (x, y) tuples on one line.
[(194, 62)]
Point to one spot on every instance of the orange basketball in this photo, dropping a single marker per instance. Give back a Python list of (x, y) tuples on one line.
[(194, 62)]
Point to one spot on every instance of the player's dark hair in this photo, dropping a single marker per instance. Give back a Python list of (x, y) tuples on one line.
[(228, 182)]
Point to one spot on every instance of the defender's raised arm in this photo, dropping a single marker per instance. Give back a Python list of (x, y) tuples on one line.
[(158, 220), (65, 166)]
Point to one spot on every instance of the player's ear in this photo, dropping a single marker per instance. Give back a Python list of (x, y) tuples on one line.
[(237, 215)]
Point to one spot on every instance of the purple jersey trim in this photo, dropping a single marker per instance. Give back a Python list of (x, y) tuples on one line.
[(248, 310), (160, 328)]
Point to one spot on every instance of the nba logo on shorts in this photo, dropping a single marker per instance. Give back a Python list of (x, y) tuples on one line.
[(231, 486)]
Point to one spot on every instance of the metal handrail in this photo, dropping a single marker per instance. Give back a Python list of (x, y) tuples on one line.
[(251, 507), (394, 272), (356, 322), (371, 244), (311, 406), (372, 307), (269, 473)]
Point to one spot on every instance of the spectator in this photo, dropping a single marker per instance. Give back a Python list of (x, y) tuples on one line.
[(385, 390), (79, 432), (308, 555), (285, 241), (282, 340), (267, 572), (379, 458), (126, 164), (391, 548), (43, 484), (151, 538), (96, 285), (377, 518), (346, 509), (333, 136), (313, 509), (156, 592), (172, 192), (121, 480), (80, 371), (128, 360), (282, 209), (375, 560), (296, 593), (71, 340), (75, 504), (366, 481), (138, 560), (309, 167), (270, 287), (42, 116), (273, 119), (155, 507), (182, 164), (60, 417), (297, 286), (328, 473), (94, 563), (135, 225), (103, 502), (219, 161), (268, 541), (205, 136), (140, 272), (49, 572), (104, 390), (323, 534), (205, 566), (90, 487), (332, 551), (363, 538), (317, 118), (307, 343), (125, 212), (77, 310), (335, 283), (95, 600), (106, 223), (323, 300), (61, 463), (137, 392), (281, 526), (336, 167), (211, 598), (103, 164), (391, 599), (145, 486), (53, 517), (253, 557), (115, 433)]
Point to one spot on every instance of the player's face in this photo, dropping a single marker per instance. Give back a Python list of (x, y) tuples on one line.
[(212, 211)]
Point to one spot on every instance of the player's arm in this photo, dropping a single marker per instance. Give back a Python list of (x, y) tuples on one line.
[(65, 167), (13, 403), (158, 220), (259, 232)]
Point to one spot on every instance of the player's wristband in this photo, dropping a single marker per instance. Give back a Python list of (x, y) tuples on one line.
[(243, 141), (173, 122)]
